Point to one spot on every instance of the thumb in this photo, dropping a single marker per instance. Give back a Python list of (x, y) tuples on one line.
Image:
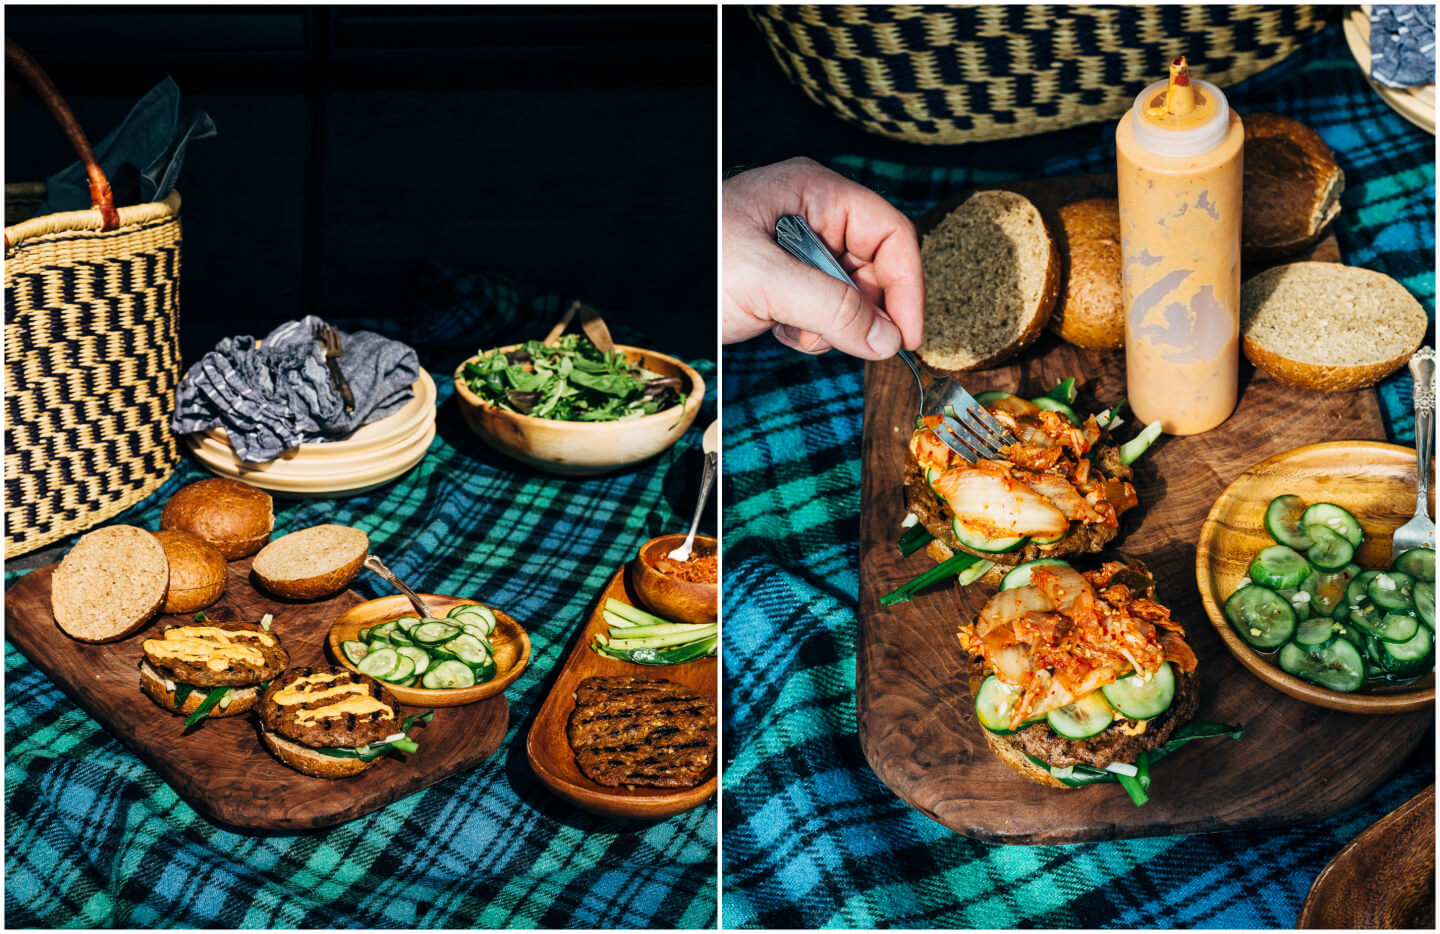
[(806, 298)]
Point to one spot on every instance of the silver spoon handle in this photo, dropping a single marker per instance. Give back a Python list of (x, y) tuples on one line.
[(1422, 368), (707, 479), (375, 564)]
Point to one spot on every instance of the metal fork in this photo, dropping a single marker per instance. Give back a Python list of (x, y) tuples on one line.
[(1419, 532), (965, 426), (329, 339)]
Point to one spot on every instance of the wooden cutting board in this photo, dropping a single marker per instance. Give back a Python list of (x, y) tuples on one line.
[(219, 767), (548, 747), (916, 717)]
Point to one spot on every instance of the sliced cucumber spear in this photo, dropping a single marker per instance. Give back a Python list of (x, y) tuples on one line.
[(1131, 450)]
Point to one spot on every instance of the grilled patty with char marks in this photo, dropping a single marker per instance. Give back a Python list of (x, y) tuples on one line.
[(641, 731), (267, 659), (304, 721)]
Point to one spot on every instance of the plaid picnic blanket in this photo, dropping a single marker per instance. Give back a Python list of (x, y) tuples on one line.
[(93, 838), (811, 836)]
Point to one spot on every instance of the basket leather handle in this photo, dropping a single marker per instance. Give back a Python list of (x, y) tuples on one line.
[(590, 322), (101, 199)]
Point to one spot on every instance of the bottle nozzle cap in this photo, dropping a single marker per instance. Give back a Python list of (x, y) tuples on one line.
[(1181, 142)]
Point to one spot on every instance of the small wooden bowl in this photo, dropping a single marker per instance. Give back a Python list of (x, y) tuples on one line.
[(676, 600), (511, 641), (583, 448), (1376, 483)]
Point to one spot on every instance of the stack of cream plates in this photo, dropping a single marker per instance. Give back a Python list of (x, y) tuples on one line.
[(376, 454), (1415, 104)]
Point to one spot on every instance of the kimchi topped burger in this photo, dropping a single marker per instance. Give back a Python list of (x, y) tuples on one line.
[(1058, 492), (1082, 676)]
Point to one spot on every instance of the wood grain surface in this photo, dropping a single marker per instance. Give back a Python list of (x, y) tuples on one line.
[(219, 766), (548, 747), (916, 717), (1376, 483), (1384, 878)]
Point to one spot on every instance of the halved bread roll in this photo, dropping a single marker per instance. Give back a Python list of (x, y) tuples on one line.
[(110, 585), (197, 572), (311, 563)]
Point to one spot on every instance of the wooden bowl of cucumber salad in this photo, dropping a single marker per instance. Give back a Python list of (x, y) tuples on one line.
[(1296, 573), (468, 653)]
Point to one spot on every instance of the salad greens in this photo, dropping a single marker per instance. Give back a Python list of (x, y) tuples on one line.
[(572, 381)]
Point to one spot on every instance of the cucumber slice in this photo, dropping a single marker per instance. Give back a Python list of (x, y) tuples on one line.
[(1263, 618), (995, 704), (449, 675), (1299, 601), (1331, 551), (1391, 590), (1368, 618), (1375, 652), (1424, 595), (974, 572), (354, 651), (434, 632), (1279, 567), (1316, 631), (398, 636), (1398, 626), (1355, 592), (1055, 405), (1343, 630), (383, 630), (1282, 521), (1419, 563), (1335, 519), (1327, 589), (1337, 666), (419, 656), (364, 634), (1083, 718), (979, 542), (379, 663), (931, 475), (991, 395), (1142, 698), (481, 614), (404, 671), (1415, 656), (1019, 576), (468, 649), (408, 623)]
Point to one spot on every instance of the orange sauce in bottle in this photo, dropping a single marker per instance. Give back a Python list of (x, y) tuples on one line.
[(1179, 156)]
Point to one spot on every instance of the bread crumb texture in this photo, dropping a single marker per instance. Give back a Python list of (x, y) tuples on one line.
[(986, 269), (310, 552), (113, 580), (1327, 314)]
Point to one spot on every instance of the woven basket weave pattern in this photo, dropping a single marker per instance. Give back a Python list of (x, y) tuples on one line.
[(91, 364), (966, 74)]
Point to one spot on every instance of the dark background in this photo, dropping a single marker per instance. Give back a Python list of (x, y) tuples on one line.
[(571, 148)]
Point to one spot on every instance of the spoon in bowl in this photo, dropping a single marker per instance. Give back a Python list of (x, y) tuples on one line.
[(710, 444)]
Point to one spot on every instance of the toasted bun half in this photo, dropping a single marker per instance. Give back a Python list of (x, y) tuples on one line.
[(311, 563), (1328, 327), (152, 683), (304, 759), (992, 275), (110, 585), (1091, 310), (235, 517), (197, 572)]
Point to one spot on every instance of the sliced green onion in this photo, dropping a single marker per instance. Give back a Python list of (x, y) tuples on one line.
[(207, 705), (913, 539), (949, 568), (1064, 392), (1131, 450), (182, 691)]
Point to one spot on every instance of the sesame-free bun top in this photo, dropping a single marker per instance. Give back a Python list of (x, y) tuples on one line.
[(1091, 309), (110, 585), (197, 572), (1329, 327), (311, 563), (236, 518)]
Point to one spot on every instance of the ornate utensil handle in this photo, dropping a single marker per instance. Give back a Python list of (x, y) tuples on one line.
[(375, 564), (1422, 368)]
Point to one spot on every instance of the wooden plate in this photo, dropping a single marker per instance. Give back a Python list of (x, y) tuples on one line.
[(548, 748), (1376, 483), (1416, 104), (219, 767), (511, 642), (1384, 878)]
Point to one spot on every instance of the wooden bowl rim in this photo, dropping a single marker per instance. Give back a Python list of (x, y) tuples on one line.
[(435, 697), (692, 400), (1399, 702), (677, 538)]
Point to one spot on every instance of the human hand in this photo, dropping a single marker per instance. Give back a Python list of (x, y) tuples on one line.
[(765, 288)]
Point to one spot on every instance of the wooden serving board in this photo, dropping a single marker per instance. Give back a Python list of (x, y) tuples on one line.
[(219, 767), (916, 716), (548, 747)]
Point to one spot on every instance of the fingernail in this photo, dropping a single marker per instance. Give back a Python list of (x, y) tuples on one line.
[(884, 337)]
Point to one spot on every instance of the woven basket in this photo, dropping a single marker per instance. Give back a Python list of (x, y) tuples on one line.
[(91, 350), (931, 74)]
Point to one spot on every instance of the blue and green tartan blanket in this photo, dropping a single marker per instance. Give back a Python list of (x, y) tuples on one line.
[(93, 838), (811, 836)]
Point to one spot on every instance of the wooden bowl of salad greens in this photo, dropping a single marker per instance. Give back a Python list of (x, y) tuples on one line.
[(570, 408)]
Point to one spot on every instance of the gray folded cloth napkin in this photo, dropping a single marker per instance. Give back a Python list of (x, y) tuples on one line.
[(1402, 44), (271, 396)]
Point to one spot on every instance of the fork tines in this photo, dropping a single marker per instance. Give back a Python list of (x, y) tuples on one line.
[(971, 431)]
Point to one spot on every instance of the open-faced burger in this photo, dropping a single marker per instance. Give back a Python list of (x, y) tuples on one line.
[(213, 669), (331, 722), (1082, 676), (1059, 492)]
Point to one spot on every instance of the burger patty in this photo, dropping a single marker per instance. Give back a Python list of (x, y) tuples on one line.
[(641, 731), (1112, 744), (237, 673), (341, 729), (1081, 538)]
